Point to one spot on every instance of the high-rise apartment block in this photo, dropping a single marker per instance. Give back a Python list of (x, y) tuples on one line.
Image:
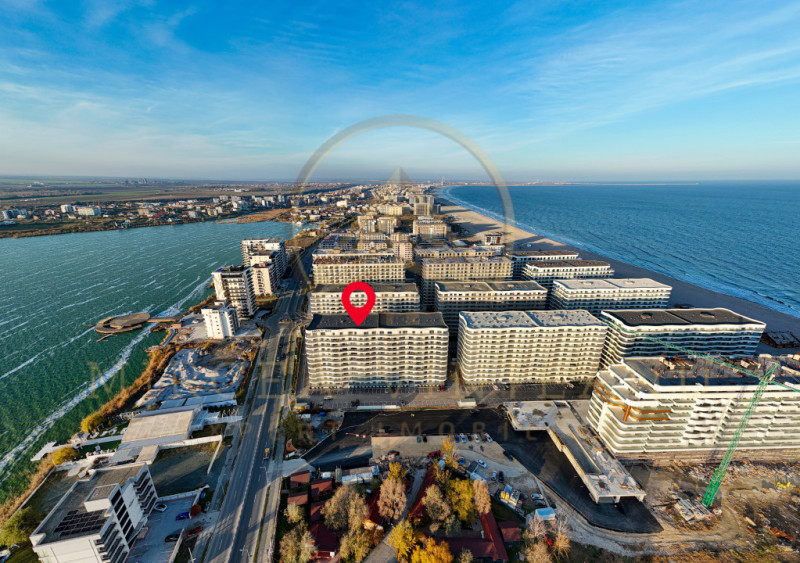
[(466, 268), (639, 333), (347, 267), (387, 349), (386, 224), (391, 209), (595, 295), (389, 298), (428, 227), (265, 278), (453, 297), (546, 272), (519, 258), (404, 251), (221, 320), (261, 250), (99, 517), (234, 285), (662, 409), (529, 346)]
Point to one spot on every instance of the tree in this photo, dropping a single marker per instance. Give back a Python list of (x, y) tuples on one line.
[(536, 530), (356, 545), (293, 513), (432, 552), (483, 502), (537, 553), (436, 506), (396, 471), (346, 510), (402, 540), (19, 526), (452, 525), (450, 452), (92, 422), (459, 494), (465, 556), (297, 545), (561, 536), (392, 499), (63, 455), (298, 430)]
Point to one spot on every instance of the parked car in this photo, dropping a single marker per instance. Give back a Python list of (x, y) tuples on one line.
[(160, 507), (419, 438), (501, 477), (487, 438), (469, 437), (482, 463), (424, 437), (494, 476), (182, 516), (194, 531), (477, 438), (462, 438), (508, 455), (173, 537)]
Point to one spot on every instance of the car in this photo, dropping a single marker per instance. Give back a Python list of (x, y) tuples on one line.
[(477, 439), (194, 531), (462, 460), (173, 537), (469, 437), (424, 437), (441, 387), (182, 516), (501, 476), (160, 507), (419, 438), (487, 438), (462, 438), (481, 463), (508, 455)]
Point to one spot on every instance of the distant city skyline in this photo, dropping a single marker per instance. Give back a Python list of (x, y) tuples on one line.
[(622, 91)]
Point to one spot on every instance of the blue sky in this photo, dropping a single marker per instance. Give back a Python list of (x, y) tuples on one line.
[(551, 90)]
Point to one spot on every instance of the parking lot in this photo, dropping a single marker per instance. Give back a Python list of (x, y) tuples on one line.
[(152, 548)]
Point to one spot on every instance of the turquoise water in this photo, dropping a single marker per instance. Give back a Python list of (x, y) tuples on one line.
[(738, 238), (54, 286)]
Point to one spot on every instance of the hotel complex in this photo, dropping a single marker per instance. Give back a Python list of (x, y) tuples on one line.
[(529, 346), (388, 349), (705, 331), (519, 258), (664, 409), (389, 298), (347, 267), (454, 297), (546, 272), (595, 295), (234, 285), (462, 269)]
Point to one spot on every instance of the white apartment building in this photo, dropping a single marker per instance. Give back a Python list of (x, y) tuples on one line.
[(221, 320), (234, 285), (404, 251), (391, 209), (704, 331), (664, 409), (98, 519), (519, 258), (463, 269), (273, 249), (545, 272), (388, 349), (347, 267), (595, 295), (529, 346), (265, 278), (453, 297), (428, 227), (66, 208), (389, 298)]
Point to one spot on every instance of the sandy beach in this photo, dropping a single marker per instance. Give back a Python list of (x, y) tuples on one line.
[(683, 293)]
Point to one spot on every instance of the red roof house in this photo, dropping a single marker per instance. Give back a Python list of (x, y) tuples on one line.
[(299, 479), (316, 511), (321, 486), (299, 499), (325, 542), (510, 531)]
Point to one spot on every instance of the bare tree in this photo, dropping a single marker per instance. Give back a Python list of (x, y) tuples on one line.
[(536, 529), (537, 553), (436, 505), (392, 499), (561, 536), (297, 546), (346, 509), (483, 501), (293, 513), (465, 556)]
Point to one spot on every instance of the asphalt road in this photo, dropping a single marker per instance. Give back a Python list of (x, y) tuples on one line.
[(534, 450)]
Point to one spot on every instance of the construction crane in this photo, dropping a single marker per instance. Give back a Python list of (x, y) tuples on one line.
[(765, 379)]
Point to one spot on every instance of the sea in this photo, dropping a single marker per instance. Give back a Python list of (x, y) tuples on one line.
[(741, 238), (53, 370)]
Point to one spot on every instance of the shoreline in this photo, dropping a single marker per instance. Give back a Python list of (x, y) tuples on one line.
[(683, 292)]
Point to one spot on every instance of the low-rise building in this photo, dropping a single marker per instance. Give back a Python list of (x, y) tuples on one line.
[(389, 298), (98, 519), (453, 297), (347, 267), (468, 268), (651, 332), (667, 408), (545, 272), (519, 258), (88, 211), (596, 295), (529, 346), (221, 320), (387, 349)]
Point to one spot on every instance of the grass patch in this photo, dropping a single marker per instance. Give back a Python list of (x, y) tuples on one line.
[(23, 555), (504, 513)]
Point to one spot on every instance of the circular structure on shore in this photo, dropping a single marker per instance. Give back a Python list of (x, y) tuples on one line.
[(124, 323)]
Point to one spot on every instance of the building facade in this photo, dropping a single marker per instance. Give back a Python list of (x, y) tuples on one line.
[(519, 258), (663, 409), (347, 267), (650, 332), (234, 285), (387, 349), (221, 320), (98, 519), (467, 268), (404, 251), (545, 272), (596, 295), (273, 249), (389, 298), (266, 280), (529, 346), (428, 227), (453, 297)]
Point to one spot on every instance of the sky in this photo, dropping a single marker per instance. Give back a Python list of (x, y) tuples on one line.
[(550, 90)]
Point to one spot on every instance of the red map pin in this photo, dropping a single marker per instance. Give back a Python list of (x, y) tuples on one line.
[(358, 314)]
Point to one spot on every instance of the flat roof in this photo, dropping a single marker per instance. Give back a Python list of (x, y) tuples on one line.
[(697, 371), (523, 319), (535, 253), (160, 424), (515, 286), (559, 264), (378, 320), (467, 260), (382, 287), (665, 317), (612, 283)]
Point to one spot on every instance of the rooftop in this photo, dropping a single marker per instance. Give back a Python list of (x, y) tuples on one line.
[(167, 424), (612, 284), (698, 371), (467, 260), (562, 264), (377, 288), (522, 319), (378, 320), (667, 317), (543, 253)]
